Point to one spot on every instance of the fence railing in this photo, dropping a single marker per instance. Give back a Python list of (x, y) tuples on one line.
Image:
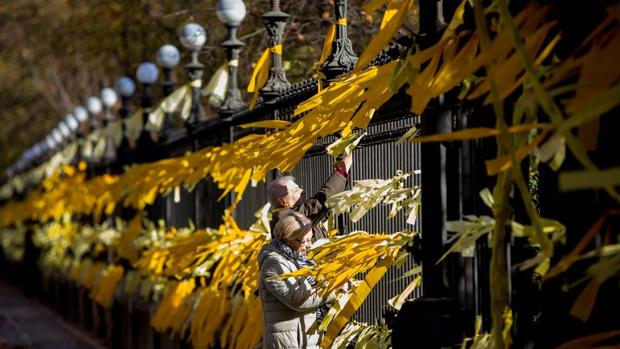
[(452, 176)]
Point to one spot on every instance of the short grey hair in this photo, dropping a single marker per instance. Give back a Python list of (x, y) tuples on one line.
[(277, 190), (291, 225)]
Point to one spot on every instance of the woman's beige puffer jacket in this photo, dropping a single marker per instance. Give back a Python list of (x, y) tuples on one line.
[(289, 306)]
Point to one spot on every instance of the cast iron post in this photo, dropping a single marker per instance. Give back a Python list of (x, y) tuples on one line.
[(275, 23), (342, 58)]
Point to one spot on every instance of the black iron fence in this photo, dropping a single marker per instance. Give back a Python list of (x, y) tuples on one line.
[(452, 176)]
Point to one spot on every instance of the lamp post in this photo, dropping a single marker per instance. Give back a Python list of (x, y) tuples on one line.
[(231, 13), (81, 114), (125, 87), (64, 130), (94, 106), (74, 125), (109, 99), (342, 58), (193, 36), (275, 21), (65, 133), (168, 58), (23, 163), (57, 136), (72, 122), (38, 151), (51, 144), (147, 73), (19, 167), (27, 157)]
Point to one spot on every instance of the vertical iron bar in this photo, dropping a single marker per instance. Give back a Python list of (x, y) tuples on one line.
[(275, 23), (233, 101)]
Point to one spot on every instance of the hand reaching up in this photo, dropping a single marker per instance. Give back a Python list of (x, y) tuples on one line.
[(348, 161)]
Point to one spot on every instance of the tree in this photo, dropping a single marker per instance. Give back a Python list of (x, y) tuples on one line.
[(57, 53)]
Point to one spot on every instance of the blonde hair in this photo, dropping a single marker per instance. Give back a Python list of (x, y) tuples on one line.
[(291, 225)]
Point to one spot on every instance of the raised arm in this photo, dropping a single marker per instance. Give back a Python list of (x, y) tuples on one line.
[(316, 205)]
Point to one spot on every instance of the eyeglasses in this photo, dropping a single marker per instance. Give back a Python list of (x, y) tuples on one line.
[(295, 190), (305, 241)]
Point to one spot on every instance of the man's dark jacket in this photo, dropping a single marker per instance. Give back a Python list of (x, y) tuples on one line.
[(314, 208)]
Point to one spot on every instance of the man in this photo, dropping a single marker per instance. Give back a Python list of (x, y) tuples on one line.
[(284, 194)]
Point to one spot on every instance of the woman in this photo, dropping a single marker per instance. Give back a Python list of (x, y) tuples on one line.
[(290, 306)]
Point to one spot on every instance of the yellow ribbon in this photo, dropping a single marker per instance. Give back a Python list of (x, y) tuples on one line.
[(327, 46), (276, 49), (390, 12), (329, 39), (261, 73), (216, 88)]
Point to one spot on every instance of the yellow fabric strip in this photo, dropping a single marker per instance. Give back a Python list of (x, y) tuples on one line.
[(392, 22), (277, 124), (390, 12), (329, 39), (327, 46), (261, 73), (373, 5), (259, 76), (276, 49), (254, 85)]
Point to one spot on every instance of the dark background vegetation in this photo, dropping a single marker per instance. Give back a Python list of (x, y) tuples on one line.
[(54, 54)]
